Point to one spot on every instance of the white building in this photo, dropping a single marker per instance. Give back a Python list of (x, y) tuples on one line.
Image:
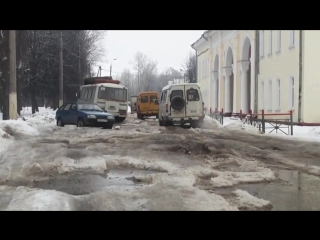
[(226, 61)]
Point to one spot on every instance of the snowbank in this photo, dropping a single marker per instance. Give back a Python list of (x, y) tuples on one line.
[(210, 123), (30, 125), (237, 124), (13, 127), (41, 118)]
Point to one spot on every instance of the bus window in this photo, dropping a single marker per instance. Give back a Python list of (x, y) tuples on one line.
[(114, 94)]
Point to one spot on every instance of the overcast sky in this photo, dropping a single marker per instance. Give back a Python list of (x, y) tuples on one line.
[(169, 48)]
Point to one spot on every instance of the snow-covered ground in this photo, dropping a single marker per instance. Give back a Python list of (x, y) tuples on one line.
[(304, 133), (171, 186)]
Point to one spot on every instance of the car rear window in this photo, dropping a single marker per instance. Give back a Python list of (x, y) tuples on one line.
[(153, 97), (176, 93), (144, 99), (193, 95)]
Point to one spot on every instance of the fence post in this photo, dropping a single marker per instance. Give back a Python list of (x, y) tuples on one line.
[(240, 114), (263, 122), (222, 116), (291, 122), (250, 112)]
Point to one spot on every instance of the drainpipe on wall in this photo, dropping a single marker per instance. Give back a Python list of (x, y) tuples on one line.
[(257, 70), (300, 77), (196, 63)]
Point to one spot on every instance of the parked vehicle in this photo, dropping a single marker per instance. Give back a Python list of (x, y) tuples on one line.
[(84, 114), (180, 104), (148, 105), (108, 94), (133, 100)]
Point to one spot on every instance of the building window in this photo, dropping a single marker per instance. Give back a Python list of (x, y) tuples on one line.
[(261, 43), (262, 95), (278, 40), (291, 38), (291, 93), (278, 95), (270, 95), (270, 42)]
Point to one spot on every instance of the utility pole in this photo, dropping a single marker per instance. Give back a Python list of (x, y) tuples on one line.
[(111, 66), (61, 71), (13, 76), (80, 67)]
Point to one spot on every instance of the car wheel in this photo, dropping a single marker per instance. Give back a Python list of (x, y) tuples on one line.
[(80, 123), (60, 123)]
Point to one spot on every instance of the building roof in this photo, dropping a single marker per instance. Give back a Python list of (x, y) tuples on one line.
[(205, 32)]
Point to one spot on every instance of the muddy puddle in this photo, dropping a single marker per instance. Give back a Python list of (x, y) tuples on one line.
[(82, 184), (294, 192)]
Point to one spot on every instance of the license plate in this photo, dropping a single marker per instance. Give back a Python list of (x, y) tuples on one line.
[(102, 120)]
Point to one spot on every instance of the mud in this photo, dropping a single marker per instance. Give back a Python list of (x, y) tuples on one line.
[(144, 158)]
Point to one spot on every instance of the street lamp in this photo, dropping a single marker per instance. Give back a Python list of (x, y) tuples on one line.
[(111, 65)]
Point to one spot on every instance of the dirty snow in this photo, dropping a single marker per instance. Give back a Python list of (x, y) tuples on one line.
[(27, 124), (27, 199), (244, 200)]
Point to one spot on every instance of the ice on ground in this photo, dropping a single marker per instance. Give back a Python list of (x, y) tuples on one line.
[(244, 200), (27, 199)]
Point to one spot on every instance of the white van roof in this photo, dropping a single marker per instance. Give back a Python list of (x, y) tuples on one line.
[(179, 84)]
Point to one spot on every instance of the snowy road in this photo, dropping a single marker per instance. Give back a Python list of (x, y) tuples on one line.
[(146, 167)]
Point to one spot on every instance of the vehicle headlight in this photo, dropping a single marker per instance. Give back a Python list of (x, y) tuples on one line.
[(92, 116), (110, 117)]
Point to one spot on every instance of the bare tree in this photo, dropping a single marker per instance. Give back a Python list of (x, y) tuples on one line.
[(190, 66)]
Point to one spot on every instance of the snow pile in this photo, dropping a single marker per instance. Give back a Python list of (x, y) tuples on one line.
[(41, 118), (129, 109), (244, 200), (239, 125), (210, 123), (14, 127), (5, 140), (28, 199)]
